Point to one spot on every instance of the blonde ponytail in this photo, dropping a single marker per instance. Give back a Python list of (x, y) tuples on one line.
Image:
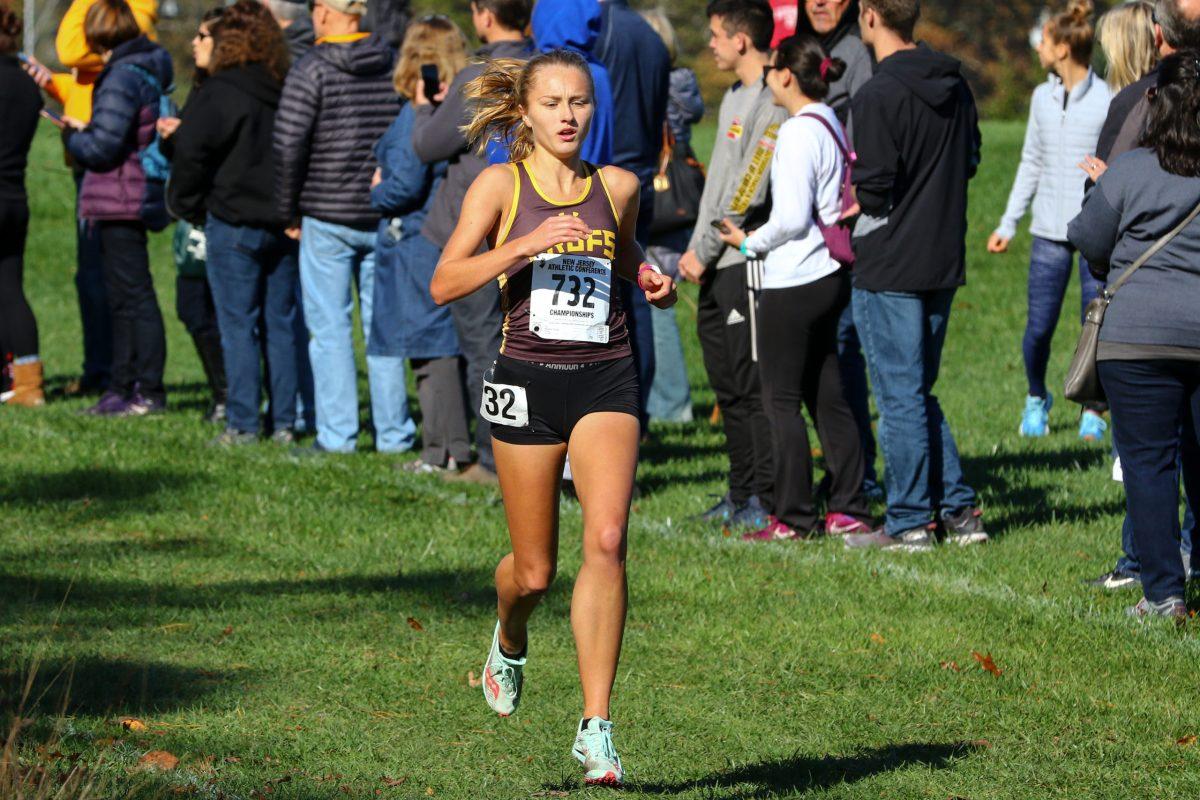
[(496, 97)]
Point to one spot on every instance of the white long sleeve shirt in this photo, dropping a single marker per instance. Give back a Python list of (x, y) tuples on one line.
[(806, 176)]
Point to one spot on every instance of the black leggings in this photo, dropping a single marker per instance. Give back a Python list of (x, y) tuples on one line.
[(797, 358), (18, 328)]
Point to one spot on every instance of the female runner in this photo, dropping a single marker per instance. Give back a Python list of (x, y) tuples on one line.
[(559, 231)]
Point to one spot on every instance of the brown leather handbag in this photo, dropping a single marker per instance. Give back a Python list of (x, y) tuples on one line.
[(1083, 379)]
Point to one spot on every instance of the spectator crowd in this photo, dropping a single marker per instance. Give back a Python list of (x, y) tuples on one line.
[(320, 158)]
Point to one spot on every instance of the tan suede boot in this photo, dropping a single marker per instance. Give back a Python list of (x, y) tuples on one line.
[(27, 385)]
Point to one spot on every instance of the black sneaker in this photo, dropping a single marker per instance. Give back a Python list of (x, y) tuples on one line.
[(753, 515), (1172, 608), (1115, 580), (965, 527), (720, 513)]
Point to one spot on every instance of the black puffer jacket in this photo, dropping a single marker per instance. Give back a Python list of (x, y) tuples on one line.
[(337, 102)]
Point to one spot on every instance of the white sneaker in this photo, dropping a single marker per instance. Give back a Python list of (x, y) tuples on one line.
[(594, 749), (502, 678)]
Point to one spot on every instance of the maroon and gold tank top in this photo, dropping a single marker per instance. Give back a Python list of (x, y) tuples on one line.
[(564, 306)]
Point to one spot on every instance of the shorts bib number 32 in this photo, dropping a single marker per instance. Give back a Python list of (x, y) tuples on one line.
[(503, 404), (570, 298)]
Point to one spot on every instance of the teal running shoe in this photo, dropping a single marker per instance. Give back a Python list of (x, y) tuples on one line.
[(1092, 427), (502, 679), (1035, 420), (594, 749)]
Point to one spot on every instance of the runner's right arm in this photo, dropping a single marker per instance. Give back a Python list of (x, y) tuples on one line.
[(460, 273)]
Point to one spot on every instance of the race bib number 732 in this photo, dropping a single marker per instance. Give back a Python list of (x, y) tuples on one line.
[(570, 298)]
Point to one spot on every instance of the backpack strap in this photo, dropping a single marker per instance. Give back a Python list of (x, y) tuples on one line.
[(149, 78), (847, 153)]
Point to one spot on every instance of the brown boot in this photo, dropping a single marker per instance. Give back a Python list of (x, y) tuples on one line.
[(27, 385)]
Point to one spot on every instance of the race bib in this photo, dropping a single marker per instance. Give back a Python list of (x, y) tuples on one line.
[(570, 298), (503, 404)]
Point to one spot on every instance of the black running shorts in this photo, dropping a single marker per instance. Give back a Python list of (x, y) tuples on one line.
[(530, 403)]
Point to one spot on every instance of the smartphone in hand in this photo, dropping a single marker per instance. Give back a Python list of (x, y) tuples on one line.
[(54, 117), (720, 225), (431, 83)]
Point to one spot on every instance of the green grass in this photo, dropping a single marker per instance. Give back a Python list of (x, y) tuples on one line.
[(258, 613)]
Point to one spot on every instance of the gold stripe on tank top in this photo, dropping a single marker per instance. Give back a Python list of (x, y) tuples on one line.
[(587, 188), (608, 194)]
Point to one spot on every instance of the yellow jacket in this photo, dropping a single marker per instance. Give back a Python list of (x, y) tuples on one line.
[(74, 89)]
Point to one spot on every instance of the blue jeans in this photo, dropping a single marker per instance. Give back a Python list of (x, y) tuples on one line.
[(1049, 273), (670, 397), (903, 335), (331, 258), (853, 368), (1156, 406), (253, 274)]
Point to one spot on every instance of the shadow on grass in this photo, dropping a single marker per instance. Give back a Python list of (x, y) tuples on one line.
[(100, 686), (807, 773), (134, 599), (32, 489), (1020, 502)]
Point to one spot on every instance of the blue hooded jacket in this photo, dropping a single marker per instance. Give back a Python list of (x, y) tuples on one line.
[(575, 25)]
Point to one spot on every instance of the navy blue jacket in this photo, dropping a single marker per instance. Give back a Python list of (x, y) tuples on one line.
[(639, 69), (124, 110), (405, 320)]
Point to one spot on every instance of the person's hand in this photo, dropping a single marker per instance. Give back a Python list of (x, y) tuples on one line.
[(418, 94), (377, 178), (690, 267), (293, 231), (732, 235), (554, 231), (1094, 167), (73, 123), (997, 244), (659, 288), (166, 126), (38, 71)]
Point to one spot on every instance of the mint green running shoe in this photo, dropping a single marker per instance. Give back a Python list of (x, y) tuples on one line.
[(502, 679), (594, 749)]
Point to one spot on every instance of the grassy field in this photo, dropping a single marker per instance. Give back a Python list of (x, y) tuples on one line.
[(306, 629)]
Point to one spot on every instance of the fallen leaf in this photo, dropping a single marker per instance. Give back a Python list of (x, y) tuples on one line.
[(415, 625), (877, 639), (228, 630), (158, 759), (987, 664), (951, 665), (232, 760), (393, 782), (1187, 741), (429, 791), (983, 744), (472, 681), (726, 532), (132, 724)]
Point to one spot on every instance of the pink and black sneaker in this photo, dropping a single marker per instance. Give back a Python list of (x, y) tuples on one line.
[(775, 531), (838, 524)]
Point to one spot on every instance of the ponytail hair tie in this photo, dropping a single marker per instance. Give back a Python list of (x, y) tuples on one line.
[(826, 63)]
